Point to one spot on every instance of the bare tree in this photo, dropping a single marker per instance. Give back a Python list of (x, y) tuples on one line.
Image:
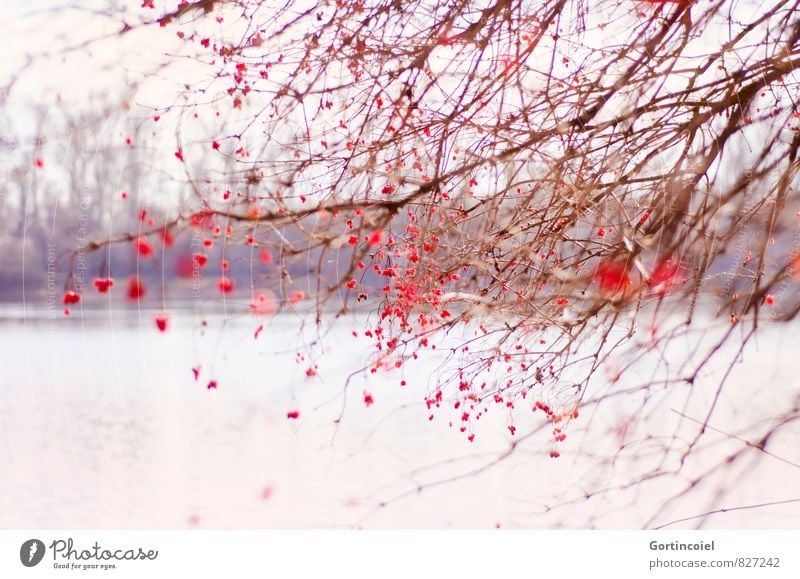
[(531, 184)]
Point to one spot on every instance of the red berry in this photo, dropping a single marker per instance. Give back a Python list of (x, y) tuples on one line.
[(136, 288), (103, 284), (70, 298), (200, 259), (664, 275), (612, 277), (161, 322), (142, 246), (264, 303), (225, 285)]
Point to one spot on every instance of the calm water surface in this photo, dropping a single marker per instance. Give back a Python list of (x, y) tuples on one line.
[(102, 424)]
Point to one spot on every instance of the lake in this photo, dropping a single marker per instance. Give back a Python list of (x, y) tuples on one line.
[(103, 425)]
